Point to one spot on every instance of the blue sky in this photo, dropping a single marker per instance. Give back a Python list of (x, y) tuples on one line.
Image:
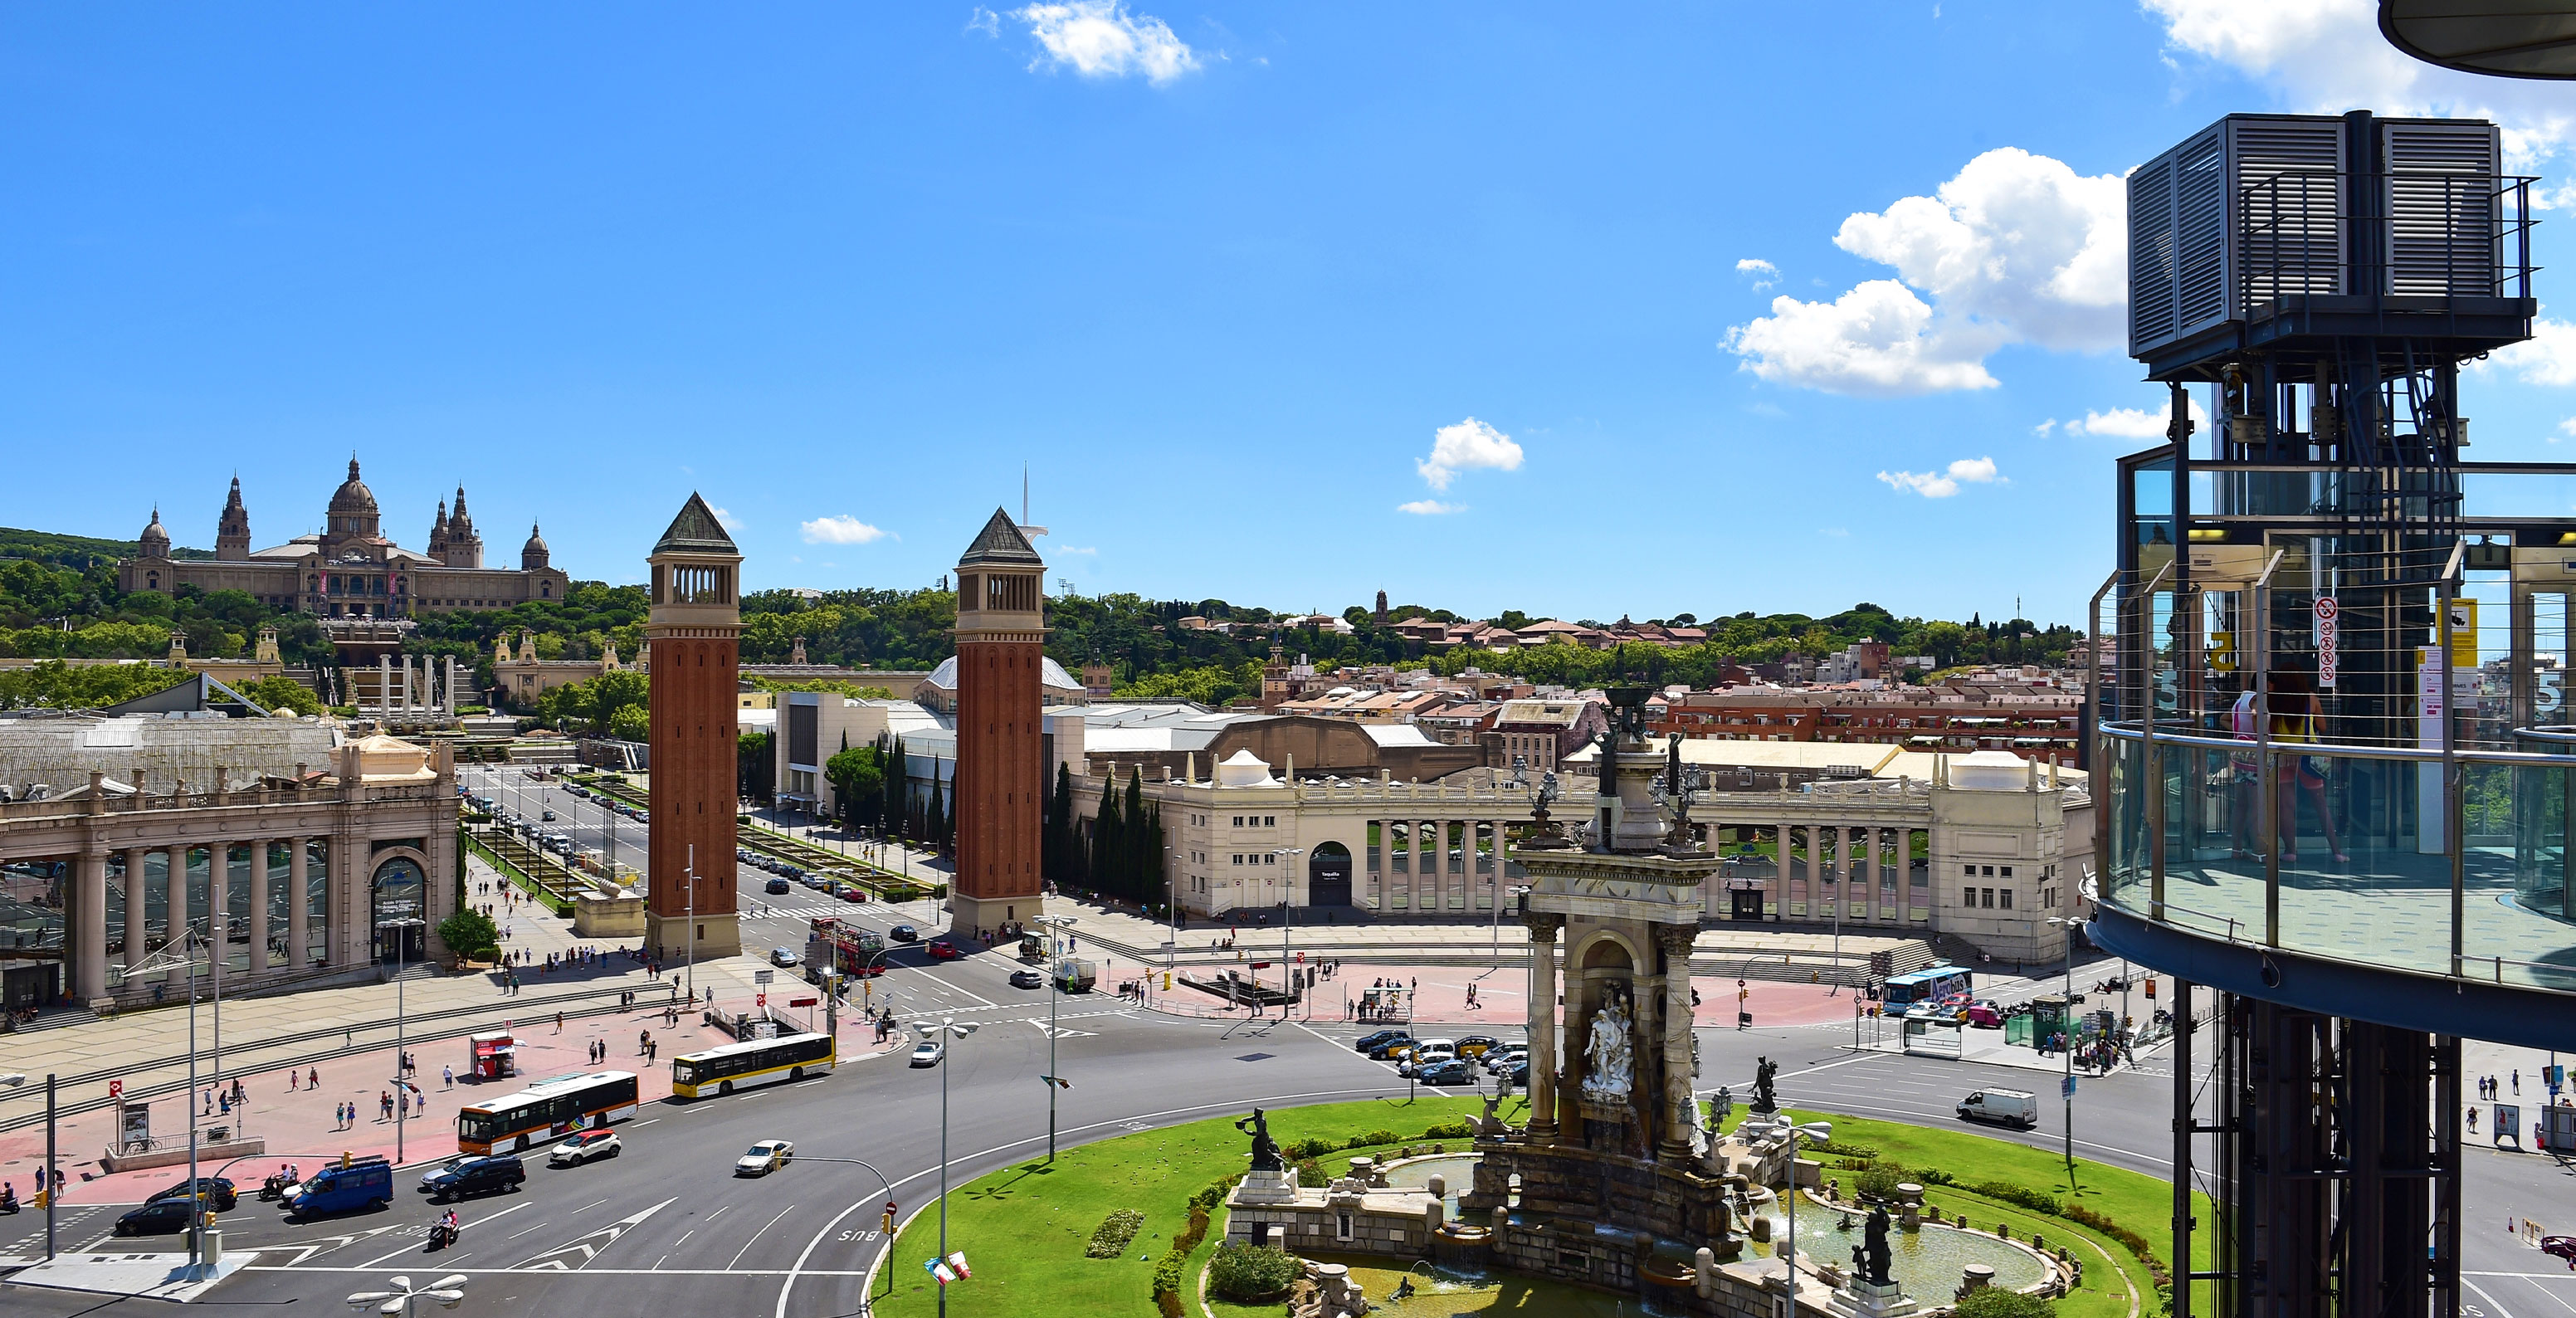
[(1281, 303)]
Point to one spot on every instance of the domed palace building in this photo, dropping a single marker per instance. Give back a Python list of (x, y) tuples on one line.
[(350, 568)]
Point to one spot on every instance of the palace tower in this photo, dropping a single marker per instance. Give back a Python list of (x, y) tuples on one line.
[(1001, 773)]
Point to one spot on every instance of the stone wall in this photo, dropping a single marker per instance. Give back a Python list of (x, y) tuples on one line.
[(1316, 1228)]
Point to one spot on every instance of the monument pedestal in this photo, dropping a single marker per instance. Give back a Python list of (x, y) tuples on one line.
[(1263, 1187), (1859, 1299)]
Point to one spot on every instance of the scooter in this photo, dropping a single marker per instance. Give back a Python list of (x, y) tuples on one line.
[(441, 1235), (278, 1186), (8, 1201)]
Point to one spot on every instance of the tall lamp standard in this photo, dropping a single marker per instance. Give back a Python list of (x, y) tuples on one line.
[(942, 1031), (1172, 891), (1287, 893), (181, 951), (1819, 1131), (1062, 926), (2067, 928)]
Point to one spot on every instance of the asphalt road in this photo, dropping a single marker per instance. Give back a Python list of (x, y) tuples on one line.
[(587, 823), (668, 1227)]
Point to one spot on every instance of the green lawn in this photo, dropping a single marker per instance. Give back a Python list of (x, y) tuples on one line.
[(1024, 1228), (2139, 1202)]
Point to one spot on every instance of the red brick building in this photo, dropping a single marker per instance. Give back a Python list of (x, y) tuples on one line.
[(1001, 764), (695, 631)]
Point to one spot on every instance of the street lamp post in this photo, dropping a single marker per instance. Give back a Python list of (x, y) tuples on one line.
[(2066, 928), (1814, 1130), (447, 1292), (177, 953), (1063, 925), (942, 1030), (1287, 891)]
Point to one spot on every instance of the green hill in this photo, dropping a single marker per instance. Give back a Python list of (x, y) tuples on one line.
[(75, 551)]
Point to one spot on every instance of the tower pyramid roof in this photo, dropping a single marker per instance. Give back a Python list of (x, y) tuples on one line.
[(695, 530), (1001, 542)]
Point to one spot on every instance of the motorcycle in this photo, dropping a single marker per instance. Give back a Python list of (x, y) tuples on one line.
[(278, 1186), (441, 1235), (8, 1201)]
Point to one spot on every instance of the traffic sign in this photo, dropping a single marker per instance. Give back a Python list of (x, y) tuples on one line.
[(764, 976), (802, 1002), (760, 999), (2070, 1086)]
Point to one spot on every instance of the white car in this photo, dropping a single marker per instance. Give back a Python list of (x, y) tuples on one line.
[(928, 1052), (1423, 1059), (765, 1157), (1504, 1059), (784, 957), (583, 1146)]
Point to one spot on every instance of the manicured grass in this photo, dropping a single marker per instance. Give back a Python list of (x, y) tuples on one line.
[(1024, 1228), (2139, 1202)]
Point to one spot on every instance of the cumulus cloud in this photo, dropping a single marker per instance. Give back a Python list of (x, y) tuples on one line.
[(1878, 339), (2016, 248), (1468, 445), (1069, 549), (985, 21), (1100, 39), (2327, 56), (2127, 422), (1943, 484), (726, 519), (2547, 357), (1430, 508), (840, 530), (1763, 273)]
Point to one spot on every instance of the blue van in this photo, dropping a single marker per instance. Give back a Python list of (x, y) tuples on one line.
[(363, 1183)]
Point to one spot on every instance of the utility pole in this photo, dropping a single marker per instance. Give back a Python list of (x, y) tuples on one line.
[(691, 970), (48, 1186)]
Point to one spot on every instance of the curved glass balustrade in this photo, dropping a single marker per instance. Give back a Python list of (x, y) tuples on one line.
[(2353, 861)]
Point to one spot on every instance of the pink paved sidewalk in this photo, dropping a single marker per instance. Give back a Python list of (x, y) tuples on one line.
[(297, 1122), (1440, 996)]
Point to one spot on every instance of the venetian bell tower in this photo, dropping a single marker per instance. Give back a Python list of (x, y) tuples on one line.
[(1001, 773), (695, 629), (232, 530)]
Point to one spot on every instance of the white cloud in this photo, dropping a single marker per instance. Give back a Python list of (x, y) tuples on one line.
[(2327, 56), (1100, 39), (1764, 273), (985, 21), (726, 519), (2547, 357), (840, 530), (1465, 446), (2016, 248), (1069, 549), (2566, 430), (1876, 339), (1430, 508), (2130, 422), (1931, 485)]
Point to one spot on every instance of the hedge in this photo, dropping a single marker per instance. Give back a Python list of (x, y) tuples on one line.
[(1110, 1239)]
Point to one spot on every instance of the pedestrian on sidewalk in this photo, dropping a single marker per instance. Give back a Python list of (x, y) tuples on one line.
[(313, 1079), (558, 1022), (448, 1074), (292, 1076)]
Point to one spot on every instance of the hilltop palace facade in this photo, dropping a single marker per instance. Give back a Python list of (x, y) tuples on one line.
[(350, 569)]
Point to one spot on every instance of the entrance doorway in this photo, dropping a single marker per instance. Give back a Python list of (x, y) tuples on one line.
[(1328, 875), (1747, 903)]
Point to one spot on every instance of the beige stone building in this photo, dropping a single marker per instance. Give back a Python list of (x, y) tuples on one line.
[(301, 853)]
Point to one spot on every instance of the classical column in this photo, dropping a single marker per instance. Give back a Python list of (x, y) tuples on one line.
[(1674, 940), (138, 929), (259, 906), (297, 914), (1543, 927), (89, 925), (384, 685), (175, 916)]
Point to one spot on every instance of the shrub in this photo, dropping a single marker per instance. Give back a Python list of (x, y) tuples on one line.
[(1456, 1128), (2022, 1196), (1167, 1270), (1260, 1272), (1310, 1173), (1932, 1176), (1310, 1147), (1109, 1239), (1374, 1137), (1878, 1180), (1996, 1302)]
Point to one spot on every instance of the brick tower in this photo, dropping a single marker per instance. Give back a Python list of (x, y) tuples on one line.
[(694, 634), (1001, 773)]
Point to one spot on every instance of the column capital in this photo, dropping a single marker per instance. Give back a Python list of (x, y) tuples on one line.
[(1676, 939), (1543, 925)]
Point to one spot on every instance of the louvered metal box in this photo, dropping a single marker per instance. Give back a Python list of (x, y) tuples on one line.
[(2261, 217)]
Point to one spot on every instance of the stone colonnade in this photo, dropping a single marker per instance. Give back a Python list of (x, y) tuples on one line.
[(1432, 879), (1861, 872), (304, 938)]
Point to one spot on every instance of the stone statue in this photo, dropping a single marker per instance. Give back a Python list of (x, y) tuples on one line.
[(1764, 1072), (1693, 1132), (1872, 1255), (1265, 1150), (1609, 1068)]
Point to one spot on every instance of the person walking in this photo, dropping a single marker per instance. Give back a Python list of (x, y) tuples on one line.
[(447, 1076), (558, 1022)]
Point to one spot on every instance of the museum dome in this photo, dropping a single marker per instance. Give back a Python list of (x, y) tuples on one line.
[(353, 496), (156, 539)]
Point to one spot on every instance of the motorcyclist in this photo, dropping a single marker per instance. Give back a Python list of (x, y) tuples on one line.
[(8, 1198), (447, 1227)]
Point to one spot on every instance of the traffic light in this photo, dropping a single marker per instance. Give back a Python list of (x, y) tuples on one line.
[(2151, 988)]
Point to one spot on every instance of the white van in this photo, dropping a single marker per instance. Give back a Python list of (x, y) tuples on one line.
[(1427, 1053), (2004, 1107)]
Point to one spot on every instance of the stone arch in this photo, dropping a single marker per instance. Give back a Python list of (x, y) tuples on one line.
[(1608, 949), (1328, 875), (392, 914)]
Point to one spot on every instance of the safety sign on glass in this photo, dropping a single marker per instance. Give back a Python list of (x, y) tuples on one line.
[(2326, 609)]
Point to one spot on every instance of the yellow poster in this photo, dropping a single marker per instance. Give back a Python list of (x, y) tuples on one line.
[(2464, 633)]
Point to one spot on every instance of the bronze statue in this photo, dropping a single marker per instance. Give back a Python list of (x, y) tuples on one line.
[(1764, 1071), (1872, 1256), (1265, 1150)]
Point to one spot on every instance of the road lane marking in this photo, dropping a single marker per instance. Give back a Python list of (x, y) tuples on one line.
[(589, 1206), (684, 1239), (718, 1213), (755, 1236), (538, 1227)]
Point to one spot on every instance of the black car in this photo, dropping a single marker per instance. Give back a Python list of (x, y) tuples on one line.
[(1385, 1050), (1368, 1043), (1520, 1076), (1448, 1073), (157, 1218), (217, 1189), (497, 1174), (778, 886), (904, 933), (1027, 979)]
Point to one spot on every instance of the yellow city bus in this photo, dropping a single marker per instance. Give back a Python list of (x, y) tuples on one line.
[(752, 1062), (546, 1108)]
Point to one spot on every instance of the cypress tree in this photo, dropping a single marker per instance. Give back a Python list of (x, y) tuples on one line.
[(1108, 839), (1135, 853)]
